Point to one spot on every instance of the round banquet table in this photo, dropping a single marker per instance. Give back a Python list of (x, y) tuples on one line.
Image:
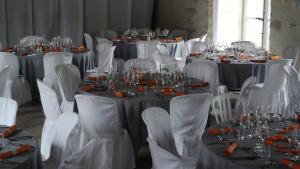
[(212, 154), (32, 67), (131, 108), (128, 50), (234, 74), (28, 160)]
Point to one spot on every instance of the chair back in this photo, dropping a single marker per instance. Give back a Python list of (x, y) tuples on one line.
[(99, 116), (68, 79), (10, 60), (206, 71), (1, 47), (109, 34), (51, 60), (189, 116), (247, 86), (106, 56), (49, 101), (292, 52), (223, 106), (8, 111), (62, 130), (89, 43), (144, 65), (3, 79)]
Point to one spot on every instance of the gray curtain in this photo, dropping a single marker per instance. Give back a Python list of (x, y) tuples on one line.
[(49, 18)]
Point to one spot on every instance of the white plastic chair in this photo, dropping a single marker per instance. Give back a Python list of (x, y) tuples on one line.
[(144, 65), (189, 116), (100, 119), (109, 34), (160, 138), (3, 78), (224, 109), (247, 86), (203, 38), (180, 33), (8, 111), (16, 87), (292, 52), (68, 80), (206, 71)]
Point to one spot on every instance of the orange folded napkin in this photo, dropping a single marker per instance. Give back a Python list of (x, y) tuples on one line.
[(276, 57), (166, 89), (92, 78), (7, 132), (230, 149), (198, 84), (290, 164), (22, 149), (270, 140), (167, 93), (140, 89), (88, 87), (218, 131), (178, 93), (120, 93)]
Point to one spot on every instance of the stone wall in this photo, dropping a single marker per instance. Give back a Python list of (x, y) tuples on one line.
[(285, 25), (191, 15)]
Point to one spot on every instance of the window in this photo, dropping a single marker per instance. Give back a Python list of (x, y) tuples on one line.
[(235, 20)]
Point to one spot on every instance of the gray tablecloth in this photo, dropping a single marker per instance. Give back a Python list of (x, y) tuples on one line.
[(28, 160), (233, 75), (212, 156), (32, 67), (131, 112), (128, 50)]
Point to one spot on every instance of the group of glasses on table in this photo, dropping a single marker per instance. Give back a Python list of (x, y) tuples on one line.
[(267, 134), (141, 81)]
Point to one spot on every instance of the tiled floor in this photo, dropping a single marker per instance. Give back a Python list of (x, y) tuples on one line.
[(31, 118)]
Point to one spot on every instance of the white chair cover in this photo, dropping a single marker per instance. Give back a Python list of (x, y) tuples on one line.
[(160, 138), (206, 71), (146, 49), (273, 92), (1, 47), (99, 117), (51, 60), (189, 116), (52, 112), (100, 40), (109, 34), (61, 131), (222, 107), (106, 56), (16, 87), (180, 33), (143, 65), (181, 61), (68, 79), (292, 52), (8, 111), (3, 79), (89, 44)]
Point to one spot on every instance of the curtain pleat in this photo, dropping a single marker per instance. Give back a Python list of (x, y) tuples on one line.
[(72, 18)]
